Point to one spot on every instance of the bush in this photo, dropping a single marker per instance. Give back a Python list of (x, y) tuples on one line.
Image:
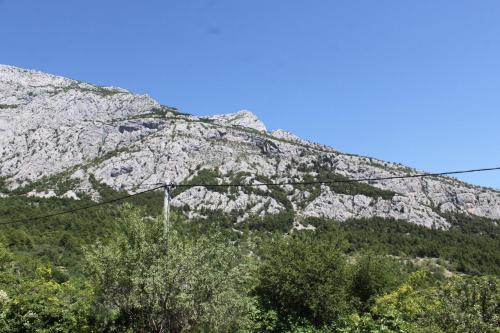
[(372, 276), (304, 280), (43, 304), (154, 281), (469, 304), (457, 305)]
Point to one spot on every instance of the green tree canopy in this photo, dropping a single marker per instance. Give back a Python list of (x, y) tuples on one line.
[(153, 281), (303, 278)]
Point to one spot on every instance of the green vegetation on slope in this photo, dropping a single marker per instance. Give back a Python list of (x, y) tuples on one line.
[(7, 106), (467, 251), (110, 268), (339, 184)]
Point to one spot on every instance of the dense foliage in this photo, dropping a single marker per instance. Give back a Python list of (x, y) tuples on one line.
[(301, 277), (114, 269), (460, 248), (156, 281)]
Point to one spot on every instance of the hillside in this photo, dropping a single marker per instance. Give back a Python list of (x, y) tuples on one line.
[(58, 135)]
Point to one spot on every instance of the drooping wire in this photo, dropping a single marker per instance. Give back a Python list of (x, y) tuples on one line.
[(318, 182), (41, 217)]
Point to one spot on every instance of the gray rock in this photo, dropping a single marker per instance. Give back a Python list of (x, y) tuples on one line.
[(57, 127)]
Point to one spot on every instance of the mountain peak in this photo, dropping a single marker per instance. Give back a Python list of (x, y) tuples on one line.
[(243, 118)]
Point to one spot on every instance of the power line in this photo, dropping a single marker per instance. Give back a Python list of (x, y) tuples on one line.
[(422, 175), (41, 217)]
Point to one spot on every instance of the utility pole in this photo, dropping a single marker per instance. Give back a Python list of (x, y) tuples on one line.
[(166, 205)]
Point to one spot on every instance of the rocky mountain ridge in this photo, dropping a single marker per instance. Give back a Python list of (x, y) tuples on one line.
[(64, 137)]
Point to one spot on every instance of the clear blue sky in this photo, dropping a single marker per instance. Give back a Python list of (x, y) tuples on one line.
[(415, 82)]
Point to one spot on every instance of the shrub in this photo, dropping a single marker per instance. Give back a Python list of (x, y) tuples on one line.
[(154, 281), (372, 276), (303, 279)]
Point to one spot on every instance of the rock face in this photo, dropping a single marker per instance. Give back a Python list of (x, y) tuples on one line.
[(243, 118), (54, 129)]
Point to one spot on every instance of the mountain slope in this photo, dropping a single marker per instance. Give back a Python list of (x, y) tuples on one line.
[(59, 134)]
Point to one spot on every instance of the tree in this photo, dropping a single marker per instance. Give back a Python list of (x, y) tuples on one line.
[(373, 275), (304, 278), (44, 305), (459, 305), (469, 304), (153, 281)]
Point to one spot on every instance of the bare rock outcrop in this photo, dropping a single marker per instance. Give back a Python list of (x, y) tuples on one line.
[(56, 128)]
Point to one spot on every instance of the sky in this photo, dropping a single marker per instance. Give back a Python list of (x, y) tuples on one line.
[(413, 82)]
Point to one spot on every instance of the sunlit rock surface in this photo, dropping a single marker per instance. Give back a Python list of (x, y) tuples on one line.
[(59, 128)]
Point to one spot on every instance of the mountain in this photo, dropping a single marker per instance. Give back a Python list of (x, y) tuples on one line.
[(62, 137)]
